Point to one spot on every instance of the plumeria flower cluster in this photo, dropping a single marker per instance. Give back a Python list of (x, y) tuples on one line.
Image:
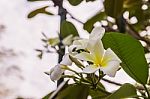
[(91, 54)]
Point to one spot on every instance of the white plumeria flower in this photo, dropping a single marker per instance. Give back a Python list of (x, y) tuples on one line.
[(97, 33), (78, 44), (105, 60), (56, 72), (68, 40)]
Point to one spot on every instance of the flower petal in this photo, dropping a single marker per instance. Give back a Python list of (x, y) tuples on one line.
[(111, 68), (97, 33), (78, 44), (71, 48), (68, 40), (110, 63), (96, 48), (56, 72), (110, 56), (90, 69), (84, 56), (66, 60), (82, 44)]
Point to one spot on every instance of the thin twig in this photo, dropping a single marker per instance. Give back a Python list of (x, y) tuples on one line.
[(135, 34), (75, 18), (112, 82), (146, 91)]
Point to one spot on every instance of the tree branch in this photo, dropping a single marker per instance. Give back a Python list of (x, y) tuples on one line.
[(75, 18), (135, 34), (111, 82)]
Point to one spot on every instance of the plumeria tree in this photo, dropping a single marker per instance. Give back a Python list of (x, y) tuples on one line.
[(108, 49)]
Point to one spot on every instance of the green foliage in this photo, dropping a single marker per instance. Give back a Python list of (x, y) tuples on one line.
[(39, 11), (74, 92), (89, 24), (131, 52), (99, 92), (131, 3), (75, 2), (96, 94), (113, 8), (68, 28), (134, 9), (125, 91), (53, 41)]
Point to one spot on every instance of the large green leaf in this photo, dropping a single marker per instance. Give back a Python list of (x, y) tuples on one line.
[(99, 92), (96, 94), (113, 8), (75, 2), (126, 91), (74, 92), (89, 24), (68, 28), (39, 11), (131, 52)]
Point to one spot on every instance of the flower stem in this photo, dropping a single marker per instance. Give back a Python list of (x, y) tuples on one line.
[(99, 78), (146, 91)]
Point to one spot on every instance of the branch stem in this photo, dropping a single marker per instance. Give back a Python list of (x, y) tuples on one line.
[(112, 82), (146, 91)]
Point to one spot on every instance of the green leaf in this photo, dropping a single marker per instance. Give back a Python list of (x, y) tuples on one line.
[(75, 2), (53, 41), (89, 24), (36, 0), (68, 28), (113, 8), (74, 92), (98, 93), (39, 11), (131, 52), (125, 91)]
